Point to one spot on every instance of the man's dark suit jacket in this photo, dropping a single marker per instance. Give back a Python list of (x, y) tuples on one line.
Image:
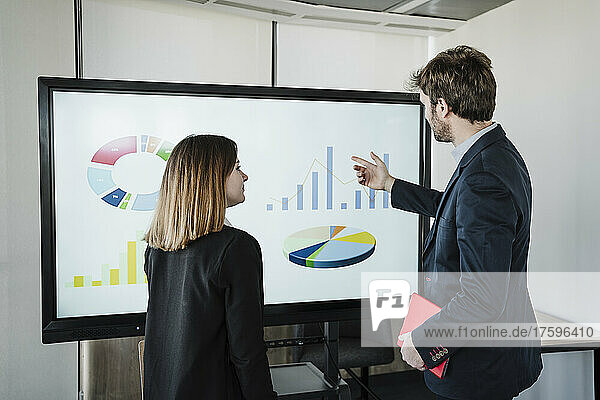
[(482, 224), (204, 325)]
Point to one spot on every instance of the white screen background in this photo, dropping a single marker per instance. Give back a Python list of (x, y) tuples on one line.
[(278, 140)]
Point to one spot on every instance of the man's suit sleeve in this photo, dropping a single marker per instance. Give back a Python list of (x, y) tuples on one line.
[(486, 222), (241, 274), (415, 198)]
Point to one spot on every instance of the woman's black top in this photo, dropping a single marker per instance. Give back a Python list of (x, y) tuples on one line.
[(204, 324)]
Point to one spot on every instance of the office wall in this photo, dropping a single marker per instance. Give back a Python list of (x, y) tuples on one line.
[(36, 38), (335, 58), (4, 265), (545, 61), (173, 41), (565, 376)]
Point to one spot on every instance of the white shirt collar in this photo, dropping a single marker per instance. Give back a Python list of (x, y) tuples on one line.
[(459, 151), (227, 223)]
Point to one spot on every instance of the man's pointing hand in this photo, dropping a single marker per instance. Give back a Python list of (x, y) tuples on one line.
[(375, 176)]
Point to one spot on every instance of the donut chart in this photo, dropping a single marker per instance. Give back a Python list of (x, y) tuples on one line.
[(329, 246), (100, 173)]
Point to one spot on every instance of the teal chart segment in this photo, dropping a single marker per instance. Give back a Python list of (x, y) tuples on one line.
[(100, 172), (329, 246)]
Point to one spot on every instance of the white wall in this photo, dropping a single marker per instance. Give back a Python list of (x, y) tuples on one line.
[(565, 376), (546, 64), (4, 265), (36, 38), (173, 41), (334, 58)]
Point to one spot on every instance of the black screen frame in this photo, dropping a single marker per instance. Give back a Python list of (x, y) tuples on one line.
[(55, 330)]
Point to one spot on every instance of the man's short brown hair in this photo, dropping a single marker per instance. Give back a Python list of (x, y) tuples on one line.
[(463, 77)]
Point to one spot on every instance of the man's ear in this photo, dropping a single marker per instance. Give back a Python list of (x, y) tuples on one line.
[(442, 108)]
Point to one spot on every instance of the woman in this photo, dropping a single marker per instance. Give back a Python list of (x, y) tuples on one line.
[(204, 328)]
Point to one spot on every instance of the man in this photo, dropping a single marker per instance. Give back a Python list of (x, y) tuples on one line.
[(480, 232)]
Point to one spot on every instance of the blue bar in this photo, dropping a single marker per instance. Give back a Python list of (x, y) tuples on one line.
[(371, 198), (357, 200), (284, 203), (299, 197), (386, 195), (315, 190), (269, 207), (329, 178), (344, 206)]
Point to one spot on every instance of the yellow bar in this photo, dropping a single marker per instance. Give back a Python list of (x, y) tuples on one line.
[(78, 281), (96, 283), (145, 278), (131, 262), (114, 276)]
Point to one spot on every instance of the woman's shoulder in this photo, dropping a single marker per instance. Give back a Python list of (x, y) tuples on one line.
[(241, 249), (215, 242), (238, 235), (224, 239)]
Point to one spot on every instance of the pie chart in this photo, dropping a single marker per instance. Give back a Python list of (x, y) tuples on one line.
[(100, 173), (329, 246)]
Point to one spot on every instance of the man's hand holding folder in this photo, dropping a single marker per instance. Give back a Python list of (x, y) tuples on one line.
[(409, 353), (419, 311)]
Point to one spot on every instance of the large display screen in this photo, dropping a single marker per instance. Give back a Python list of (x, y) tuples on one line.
[(317, 227)]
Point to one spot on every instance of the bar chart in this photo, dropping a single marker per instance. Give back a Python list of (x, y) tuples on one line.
[(363, 198), (128, 271)]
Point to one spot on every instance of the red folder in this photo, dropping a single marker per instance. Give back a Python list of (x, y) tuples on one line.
[(420, 310)]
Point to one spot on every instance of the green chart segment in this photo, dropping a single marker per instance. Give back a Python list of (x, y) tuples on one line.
[(329, 246)]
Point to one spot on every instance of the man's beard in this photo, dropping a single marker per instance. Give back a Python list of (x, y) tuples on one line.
[(441, 130)]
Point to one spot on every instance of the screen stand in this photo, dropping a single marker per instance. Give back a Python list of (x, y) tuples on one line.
[(331, 348), (302, 380), (79, 372)]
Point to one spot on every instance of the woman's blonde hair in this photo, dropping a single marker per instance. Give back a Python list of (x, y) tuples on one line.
[(192, 198)]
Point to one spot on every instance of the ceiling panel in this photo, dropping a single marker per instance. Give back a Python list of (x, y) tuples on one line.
[(370, 5), (456, 9), (451, 9), (335, 14)]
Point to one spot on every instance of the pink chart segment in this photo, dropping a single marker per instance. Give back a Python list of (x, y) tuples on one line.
[(113, 150)]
